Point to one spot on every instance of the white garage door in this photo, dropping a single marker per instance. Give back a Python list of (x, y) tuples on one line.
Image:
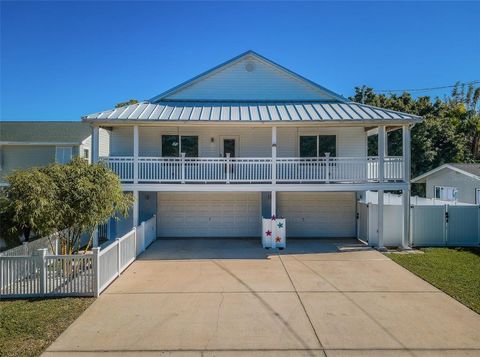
[(208, 214), (312, 214)]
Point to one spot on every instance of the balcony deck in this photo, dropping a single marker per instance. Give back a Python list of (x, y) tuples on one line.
[(208, 170)]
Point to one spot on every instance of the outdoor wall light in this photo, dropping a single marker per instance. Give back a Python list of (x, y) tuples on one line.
[(212, 139)]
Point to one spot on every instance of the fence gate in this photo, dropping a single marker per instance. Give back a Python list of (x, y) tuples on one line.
[(463, 225), (428, 225)]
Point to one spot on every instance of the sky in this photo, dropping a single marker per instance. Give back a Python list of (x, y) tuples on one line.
[(62, 60)]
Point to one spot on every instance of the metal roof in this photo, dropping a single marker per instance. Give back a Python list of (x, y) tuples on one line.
[(245, 112), (44, 131)]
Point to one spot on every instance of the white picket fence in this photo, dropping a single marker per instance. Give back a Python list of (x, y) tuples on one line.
[(44, 275), (28, 248)]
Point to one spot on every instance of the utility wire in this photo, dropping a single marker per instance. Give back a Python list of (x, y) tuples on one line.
[(424, 89)]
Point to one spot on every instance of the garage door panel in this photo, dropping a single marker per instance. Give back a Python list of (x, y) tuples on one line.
[(325, 214), (208, 214)]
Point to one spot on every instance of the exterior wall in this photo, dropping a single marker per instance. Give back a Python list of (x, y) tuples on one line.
[(104, 142), (17, 157), (147, 205), (466, 185), (86, 144), (252, 141), (20, 157), (264, 82)]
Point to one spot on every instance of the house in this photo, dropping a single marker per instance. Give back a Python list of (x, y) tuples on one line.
[(452, 182), (250, 138), (33, 143)]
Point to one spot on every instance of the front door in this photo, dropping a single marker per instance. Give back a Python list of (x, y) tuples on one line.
[(229, 147)]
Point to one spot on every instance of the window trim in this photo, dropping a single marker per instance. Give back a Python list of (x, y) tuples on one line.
[(63, 147), (317, 135), (476, 191), (454, 189)]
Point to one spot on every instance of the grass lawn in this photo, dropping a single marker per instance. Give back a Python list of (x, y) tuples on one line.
[(455, 271), (28, 327)]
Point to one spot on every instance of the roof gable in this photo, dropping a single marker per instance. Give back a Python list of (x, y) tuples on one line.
[(463, 169), (248, 77)]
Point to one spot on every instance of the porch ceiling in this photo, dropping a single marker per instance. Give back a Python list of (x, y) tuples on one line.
[(251, 112)]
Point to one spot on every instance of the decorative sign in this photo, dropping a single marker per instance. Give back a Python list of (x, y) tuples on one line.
[(273, 232)]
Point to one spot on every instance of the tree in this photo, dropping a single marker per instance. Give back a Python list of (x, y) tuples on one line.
[(70, 200), (124, 104)]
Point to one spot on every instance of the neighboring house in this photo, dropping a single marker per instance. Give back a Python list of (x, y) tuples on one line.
[(250, 138), (452, 182), (32, 143)]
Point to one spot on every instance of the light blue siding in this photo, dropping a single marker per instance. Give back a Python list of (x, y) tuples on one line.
[(21, 157), (264, 82)]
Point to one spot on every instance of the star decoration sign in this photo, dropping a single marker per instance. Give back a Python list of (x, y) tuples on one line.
[(268, 233), (280, 225), (274, 218), (278, 239)]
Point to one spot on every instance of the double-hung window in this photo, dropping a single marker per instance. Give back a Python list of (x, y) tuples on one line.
[(63, 154), (318, 145), (445, 193), (174, 145)]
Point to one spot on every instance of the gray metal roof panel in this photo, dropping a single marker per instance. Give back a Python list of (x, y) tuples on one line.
[(251, 112)]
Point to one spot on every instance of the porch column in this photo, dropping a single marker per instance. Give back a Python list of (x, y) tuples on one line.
[(406, 192), (135, 154), (406, 152), (381, 153), (274, 155), (95, 143), (380, 207), (135, 208)]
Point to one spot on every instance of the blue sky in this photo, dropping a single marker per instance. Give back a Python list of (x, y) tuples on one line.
[(61, 60)]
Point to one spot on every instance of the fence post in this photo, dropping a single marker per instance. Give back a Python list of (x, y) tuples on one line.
[(327, 167), (25, 248), (118, 256), (95, 237), (228, 167), (155, 226), (43, 270), (96, 271), (183, 167), (143, 236)]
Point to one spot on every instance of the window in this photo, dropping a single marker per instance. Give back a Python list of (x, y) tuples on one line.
[(63, 154), (174, 145), (318, 145), (445, 193), (85, 154)]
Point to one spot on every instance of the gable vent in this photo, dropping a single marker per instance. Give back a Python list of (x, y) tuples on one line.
[(249, 66)]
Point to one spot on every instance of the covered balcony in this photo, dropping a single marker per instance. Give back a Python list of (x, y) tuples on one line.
[(256, 170)]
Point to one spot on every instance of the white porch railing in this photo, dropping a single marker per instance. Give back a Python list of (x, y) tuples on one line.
[(255, 170)]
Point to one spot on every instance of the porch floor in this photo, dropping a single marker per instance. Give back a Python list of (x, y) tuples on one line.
[(230, 297)]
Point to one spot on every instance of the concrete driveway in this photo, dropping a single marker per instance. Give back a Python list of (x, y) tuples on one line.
[(232, 298)]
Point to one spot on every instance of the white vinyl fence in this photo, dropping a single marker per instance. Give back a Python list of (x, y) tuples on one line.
[(432, 225), (44, 275), (28, 248), (453, 226)]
